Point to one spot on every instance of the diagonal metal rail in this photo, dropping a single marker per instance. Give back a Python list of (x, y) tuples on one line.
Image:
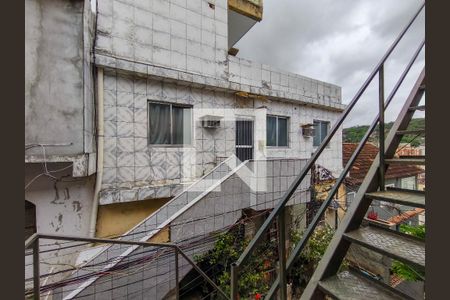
[(277, 212), (33, 242), (301, 244)]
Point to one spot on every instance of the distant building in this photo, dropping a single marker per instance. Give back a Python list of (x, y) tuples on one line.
[(399, 176)]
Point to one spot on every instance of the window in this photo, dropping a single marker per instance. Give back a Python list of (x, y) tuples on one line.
[(169, 124), (320, 131), (349, 199), (277, 131)]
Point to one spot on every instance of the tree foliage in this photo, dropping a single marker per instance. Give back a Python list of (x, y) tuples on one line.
[(355, 134), (311, 255), (253, 277)]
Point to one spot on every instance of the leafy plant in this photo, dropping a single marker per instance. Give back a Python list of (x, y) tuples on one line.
[(253, 277), (311, 255), (405, 271)]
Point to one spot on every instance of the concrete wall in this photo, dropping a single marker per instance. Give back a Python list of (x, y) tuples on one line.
[(118, 218), (244, 71), (63, 207), (134, 170), (58, 78), (191, 37), (183, 35)]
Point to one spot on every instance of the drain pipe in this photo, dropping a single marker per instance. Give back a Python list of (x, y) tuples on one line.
[(100, 147)]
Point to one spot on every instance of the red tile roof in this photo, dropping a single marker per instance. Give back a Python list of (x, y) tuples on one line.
[(406, 215), (364, 160)]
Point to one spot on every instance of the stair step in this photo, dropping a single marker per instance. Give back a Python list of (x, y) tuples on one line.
[(399, 246), (406, 161), (416, 131), (351, 285), (419, 107), (399, 196)]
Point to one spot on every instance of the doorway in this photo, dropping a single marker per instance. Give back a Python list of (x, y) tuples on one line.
[(244, 139)]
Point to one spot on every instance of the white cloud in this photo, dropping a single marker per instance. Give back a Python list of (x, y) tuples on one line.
[(338, 42)]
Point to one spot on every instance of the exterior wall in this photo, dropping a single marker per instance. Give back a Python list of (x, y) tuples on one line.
[(62, 207), (134, 170), (59, 123), (176, 51), (190, 38), (330, 214), (143, 171), (409, 182), (118, 218), (183, 35), (58, 78), (244, 71), (300, 146)]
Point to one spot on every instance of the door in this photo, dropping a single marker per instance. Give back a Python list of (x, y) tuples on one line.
[(244, 139)]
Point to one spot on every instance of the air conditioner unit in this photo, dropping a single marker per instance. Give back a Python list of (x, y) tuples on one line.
[(209, 121), (308, 130)]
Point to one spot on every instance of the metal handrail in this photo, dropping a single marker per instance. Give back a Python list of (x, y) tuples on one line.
[(301, 244), (278, 211), (33, 242)]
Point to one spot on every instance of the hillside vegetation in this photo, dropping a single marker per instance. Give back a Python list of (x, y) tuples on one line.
[(355, 134)]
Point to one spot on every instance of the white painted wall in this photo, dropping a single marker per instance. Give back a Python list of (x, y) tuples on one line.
[(63, 208)]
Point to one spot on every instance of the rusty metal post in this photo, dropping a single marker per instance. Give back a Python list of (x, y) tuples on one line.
[(282, 253), (177, 276), (36, 272), (234, 281), (381, 126)]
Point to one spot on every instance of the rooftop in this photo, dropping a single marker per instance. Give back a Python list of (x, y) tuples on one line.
[(365, 159)]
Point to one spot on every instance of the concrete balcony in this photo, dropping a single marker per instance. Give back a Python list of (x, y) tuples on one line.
[(242, 15)]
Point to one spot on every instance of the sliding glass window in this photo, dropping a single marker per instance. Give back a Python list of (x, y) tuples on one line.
[(277, 131), (169, 124)]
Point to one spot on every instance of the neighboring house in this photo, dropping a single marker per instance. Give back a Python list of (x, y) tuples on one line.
[(406, 149), (130, 102), (60, 142), (400, 176), (385, 214), (176, 103), (60, 138)]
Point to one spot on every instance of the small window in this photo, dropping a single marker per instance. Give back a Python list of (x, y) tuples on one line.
[(320, 131), (169, 124), (277, 131), (349, 199)]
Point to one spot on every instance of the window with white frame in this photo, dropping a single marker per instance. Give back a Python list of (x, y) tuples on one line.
[(349, 199), (169, 124), (320, 131), (277, 131)]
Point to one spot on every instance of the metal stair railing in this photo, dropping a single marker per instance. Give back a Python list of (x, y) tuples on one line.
[(338, 246), (278, 211), (33, 242)]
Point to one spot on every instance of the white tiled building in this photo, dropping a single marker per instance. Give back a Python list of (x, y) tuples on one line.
[(144, 101), (176, 53)]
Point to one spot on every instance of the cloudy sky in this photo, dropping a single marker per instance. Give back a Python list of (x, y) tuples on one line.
[(339, 42)]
